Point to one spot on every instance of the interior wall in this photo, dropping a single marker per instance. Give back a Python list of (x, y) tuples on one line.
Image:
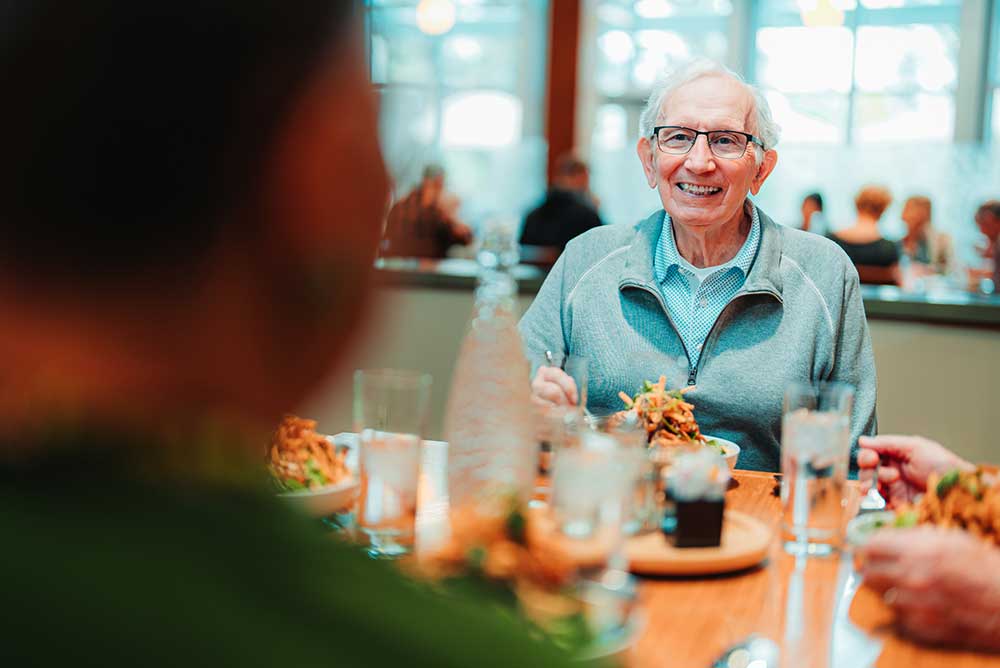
[(941, 381)]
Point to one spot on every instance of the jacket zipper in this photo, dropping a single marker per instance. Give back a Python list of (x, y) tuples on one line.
[(693, 370)]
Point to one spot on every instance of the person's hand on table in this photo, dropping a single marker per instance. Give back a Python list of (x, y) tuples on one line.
[(943, 584), (552, 385), (902, 464)]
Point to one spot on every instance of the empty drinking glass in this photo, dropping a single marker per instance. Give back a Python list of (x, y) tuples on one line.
[(390, 416), (815, 453)]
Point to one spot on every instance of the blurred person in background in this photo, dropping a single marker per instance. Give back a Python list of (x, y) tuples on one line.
[(942, 584), (568, 210), (425, 222), (928, 250), (176, 273), (709, 288), (988, 222), (813, 219), (875, 257)]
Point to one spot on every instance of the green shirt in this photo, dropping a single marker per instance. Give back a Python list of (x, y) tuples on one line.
[(103, 567)]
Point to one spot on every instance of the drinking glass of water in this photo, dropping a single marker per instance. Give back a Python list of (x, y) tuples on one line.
[(815, 454), (390, 416)]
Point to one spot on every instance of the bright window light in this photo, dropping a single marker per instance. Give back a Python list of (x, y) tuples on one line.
[(481, 119), (616, 45)]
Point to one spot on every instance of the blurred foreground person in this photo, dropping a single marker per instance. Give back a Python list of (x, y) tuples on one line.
[(928, 250), (943, 584), (568, 210), (425, 222), (176, 272), (875, 257)]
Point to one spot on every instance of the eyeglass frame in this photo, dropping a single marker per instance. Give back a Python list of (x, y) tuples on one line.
[(751, 139)]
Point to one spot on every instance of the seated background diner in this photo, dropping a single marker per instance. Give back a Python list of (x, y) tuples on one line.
[(425, 223), (813, 218), (568, 211), (929, 250), (875, 257), (988, 221)]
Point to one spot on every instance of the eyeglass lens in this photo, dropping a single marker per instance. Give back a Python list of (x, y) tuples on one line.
[(723, 143)]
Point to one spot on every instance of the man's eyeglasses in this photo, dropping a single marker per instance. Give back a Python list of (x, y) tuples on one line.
[(728, 144)]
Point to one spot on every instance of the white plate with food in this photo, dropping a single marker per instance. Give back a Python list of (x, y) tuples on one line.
[(670, 424), (317, 473), (863, 527)]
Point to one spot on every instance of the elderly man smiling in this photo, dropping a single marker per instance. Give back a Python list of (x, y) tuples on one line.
[(709, 292)]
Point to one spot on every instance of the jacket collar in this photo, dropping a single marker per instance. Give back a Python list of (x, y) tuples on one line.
[(764, 276)]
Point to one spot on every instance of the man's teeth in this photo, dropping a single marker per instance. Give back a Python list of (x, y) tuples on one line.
[(698, 190)]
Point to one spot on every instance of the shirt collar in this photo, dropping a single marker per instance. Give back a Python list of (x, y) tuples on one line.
[(667, 255)]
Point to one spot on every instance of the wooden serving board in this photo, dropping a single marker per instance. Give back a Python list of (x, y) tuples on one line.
[(745, 542)]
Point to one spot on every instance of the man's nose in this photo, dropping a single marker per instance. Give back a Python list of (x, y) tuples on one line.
[(700, 157)]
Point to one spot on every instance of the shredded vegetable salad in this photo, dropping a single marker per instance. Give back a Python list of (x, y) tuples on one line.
[(300, 458), (668, 418)]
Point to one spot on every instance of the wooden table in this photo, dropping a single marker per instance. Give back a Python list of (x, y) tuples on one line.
[(804, 605)]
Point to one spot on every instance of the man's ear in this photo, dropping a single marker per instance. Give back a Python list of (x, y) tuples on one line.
[(644, 149), (764, 170)]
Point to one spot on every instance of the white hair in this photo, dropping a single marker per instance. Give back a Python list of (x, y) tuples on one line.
[(763, 122)]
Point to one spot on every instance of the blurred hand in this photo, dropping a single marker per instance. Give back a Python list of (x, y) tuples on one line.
[(552, 385), (943, 584), (903, 464)]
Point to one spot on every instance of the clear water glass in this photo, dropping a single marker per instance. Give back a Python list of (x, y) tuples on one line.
[(815, 456), (390, 415), (630, 435), (590, 483)]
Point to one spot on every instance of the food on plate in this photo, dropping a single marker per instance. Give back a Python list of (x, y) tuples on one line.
[(300, 458), (967, 500), (667, 417)]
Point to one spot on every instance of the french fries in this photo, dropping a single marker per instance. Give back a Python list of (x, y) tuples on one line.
[(300, 458), (667, 417), (964, 500)]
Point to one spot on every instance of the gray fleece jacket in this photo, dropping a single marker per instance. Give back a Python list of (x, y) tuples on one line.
[(798, 317)]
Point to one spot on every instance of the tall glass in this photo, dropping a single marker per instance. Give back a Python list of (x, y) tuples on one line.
[(390, 416), (815, 454), (630, 435), (591, 479)]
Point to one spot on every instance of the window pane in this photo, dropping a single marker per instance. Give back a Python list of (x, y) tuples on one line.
[(804, 60), (907, 58), (996, 115), (471, 98), (472, 59), (486, 119), (879, 118), (658, 49), (659, 9), (610, 127), (405, 51), (995, 45), (810, 118)]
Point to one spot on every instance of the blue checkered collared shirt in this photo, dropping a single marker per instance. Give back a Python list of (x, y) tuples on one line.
[(694, 311)]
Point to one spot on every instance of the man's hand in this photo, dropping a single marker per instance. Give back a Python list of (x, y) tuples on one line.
[(903, 464), (552, 385), (943, 584)]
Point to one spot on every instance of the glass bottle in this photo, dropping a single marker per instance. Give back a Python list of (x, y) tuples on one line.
[(489, 419)]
